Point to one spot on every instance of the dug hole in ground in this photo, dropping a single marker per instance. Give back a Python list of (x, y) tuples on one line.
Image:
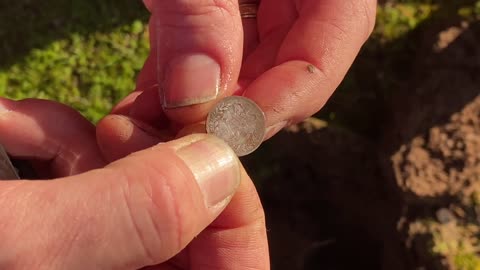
[(406, 198)]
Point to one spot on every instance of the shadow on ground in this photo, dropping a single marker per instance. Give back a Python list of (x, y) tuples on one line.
[(340, 198)]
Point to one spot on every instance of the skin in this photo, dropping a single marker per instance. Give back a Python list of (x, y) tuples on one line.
[(289, 60), (97, 216)]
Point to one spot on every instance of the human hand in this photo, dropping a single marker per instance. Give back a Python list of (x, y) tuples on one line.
[(162, 207), (289, 60)]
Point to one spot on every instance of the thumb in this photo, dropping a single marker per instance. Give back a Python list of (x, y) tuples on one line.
[(141, 210), (199, 51)]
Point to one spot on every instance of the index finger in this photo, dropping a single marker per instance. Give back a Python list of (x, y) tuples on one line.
[(313, 59), (47, 131)]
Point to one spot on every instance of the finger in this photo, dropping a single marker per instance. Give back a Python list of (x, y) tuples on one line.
[(119, 136), (48, 131), (239, 231), (139, 211), (250, 27), (143, 105), (146, 79), (264, 56), (275, 19), (148, 4), (192, 129), (125, 105), (313, 59), (147, 108), (199, 45), (148, 75), (251, 40)]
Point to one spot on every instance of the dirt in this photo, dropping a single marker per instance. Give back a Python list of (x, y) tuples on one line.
[(443, 163), (404, 194)]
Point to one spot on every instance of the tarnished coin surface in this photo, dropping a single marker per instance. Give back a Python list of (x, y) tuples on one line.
[(239, 122)]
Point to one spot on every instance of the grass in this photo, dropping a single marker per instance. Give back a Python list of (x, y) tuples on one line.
[(82, 53), (456, 243)]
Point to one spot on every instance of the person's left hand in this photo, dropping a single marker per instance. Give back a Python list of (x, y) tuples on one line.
[(183, 204), (54, 138)]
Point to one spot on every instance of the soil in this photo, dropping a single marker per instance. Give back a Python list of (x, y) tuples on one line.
[(389, 197)]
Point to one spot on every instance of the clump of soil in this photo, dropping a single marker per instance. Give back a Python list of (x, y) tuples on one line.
[(443, 163)]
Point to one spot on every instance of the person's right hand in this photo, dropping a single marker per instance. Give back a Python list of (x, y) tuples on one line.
[(163, 208), (289, 61)]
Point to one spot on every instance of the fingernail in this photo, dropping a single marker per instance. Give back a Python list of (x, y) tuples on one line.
[(215, 166), (274, 129), (190, 80)]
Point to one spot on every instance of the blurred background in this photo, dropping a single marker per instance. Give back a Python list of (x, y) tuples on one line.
[(386, 176)]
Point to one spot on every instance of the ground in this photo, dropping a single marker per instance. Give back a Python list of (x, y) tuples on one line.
[(386, 176), (394, 183)]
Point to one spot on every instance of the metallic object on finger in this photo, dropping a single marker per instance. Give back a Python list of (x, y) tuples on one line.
[(7, 170), (248, 9), (239, 122)]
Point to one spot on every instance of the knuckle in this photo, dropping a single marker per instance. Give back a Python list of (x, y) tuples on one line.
[(136, 201), (170, 227), (367, 11), (228, 6), (358, 16), (199, 8), (155, 210)]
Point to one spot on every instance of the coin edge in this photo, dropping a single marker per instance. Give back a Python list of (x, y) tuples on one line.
[(255, 105)]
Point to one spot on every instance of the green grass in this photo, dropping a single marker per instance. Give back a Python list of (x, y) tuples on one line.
[(89, 72), (467, 261), (82, 53)]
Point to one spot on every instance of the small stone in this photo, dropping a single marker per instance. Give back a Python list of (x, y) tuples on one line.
[(445, 216)]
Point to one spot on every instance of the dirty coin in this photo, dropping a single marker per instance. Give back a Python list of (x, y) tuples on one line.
[(239, 122)]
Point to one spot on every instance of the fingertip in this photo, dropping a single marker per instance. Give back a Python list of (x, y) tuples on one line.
[(240, 230), (147, 108), (125, 105), (5, 104), (198, 128), (148, 75), (201, 61), (176, 189), (215, 167), (189, 115), (119, 136), (148, 5), (301, 90), (67, 143)]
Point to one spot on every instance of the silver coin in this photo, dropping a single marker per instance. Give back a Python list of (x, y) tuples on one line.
[(239, 122)]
